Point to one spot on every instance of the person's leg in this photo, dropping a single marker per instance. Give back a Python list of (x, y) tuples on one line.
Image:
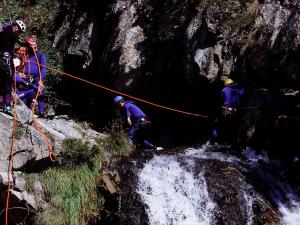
[(132, 134), (26, 96), (8, 82)]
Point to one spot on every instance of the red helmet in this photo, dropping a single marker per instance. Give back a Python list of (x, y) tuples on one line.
[(31, 41)]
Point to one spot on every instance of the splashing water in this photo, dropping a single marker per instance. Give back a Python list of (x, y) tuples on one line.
[(173, 195)]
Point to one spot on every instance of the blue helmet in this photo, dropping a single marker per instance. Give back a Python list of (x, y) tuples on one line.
[(117, 99)]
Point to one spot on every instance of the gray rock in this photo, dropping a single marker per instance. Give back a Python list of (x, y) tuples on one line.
[(19, 182)]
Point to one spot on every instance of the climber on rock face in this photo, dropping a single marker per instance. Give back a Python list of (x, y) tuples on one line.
[(138, 122), (227, 125), (9, 36)]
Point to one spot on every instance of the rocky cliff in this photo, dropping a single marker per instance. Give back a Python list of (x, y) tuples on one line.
[(31, 154), (177, 52), (138, 42)]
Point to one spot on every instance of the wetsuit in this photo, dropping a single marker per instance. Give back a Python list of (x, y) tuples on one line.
[(31, 68), (232, 95), (139, 123), (227, 125)]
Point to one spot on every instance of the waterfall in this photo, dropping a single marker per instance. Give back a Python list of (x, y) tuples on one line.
[(173, 193)]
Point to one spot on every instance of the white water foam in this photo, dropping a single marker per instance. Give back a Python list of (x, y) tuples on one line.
[(291, 215), (173, 195)]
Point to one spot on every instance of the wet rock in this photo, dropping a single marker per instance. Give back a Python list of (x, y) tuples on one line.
[(108, 182)]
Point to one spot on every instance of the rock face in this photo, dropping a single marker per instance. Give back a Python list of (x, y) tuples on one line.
[(207, 39), (156, 50), (31, 153)]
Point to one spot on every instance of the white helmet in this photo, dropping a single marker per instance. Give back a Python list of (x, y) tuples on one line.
[(22, 25)]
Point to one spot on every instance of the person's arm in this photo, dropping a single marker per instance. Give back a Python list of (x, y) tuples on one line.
[(128, 113), (129, 121), (21, 80)]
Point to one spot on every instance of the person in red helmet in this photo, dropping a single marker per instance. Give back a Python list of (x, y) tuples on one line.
[(35, 67)]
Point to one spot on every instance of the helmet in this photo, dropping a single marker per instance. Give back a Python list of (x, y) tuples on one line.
[(228, 81), (118, 99), (22, 25)]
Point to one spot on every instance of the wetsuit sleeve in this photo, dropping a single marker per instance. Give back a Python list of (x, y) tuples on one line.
[(128, 111), (19, 79)]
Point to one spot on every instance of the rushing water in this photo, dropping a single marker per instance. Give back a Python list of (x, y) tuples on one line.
[(174, 194)]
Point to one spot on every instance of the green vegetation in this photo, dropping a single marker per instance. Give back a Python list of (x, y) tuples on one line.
[(117, 140), (76, 152), (70, 187), (9, 10), (72, 195)]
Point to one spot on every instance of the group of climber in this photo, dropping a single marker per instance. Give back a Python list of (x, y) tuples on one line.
[(232, 96), (25, 65)]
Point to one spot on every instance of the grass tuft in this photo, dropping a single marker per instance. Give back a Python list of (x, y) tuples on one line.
[(70, 188), (117, 140), (72, 195)]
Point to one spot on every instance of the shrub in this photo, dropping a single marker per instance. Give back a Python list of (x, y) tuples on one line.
[(75, 152)]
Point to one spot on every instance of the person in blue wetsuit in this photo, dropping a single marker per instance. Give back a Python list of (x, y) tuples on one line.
[(36, 73), (138, 122), (232, 95), (9, 36), (227, 125)]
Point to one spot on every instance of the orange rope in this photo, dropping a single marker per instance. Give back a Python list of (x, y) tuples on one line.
[(123, 94), (10, 165), (148, 102), (36, 125)]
